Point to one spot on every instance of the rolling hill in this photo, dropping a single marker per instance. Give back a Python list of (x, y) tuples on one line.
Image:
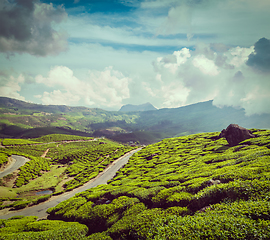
[(23, 120), (189, 187)]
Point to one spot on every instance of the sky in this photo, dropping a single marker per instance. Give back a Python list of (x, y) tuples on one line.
[(107, 53)]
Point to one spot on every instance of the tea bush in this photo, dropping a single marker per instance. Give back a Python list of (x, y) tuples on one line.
[(32, 170), (60, 137), (22, 228), (188, 187), (3, 158), (12, 142)]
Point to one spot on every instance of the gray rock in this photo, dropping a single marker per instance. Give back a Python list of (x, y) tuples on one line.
[(235, 134)]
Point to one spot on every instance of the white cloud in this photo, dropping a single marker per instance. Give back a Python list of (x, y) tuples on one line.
[(199, 78), (100, 88), (234, 22), (11, 86), (174, 95), (206, 65), (238, 56), (85, 29), (56, 97), (60, 76)]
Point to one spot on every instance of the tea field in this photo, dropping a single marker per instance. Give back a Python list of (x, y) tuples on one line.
[(188, 187), (191, 187), (67, 162)]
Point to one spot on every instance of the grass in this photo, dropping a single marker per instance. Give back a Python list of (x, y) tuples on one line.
[(47, 180), (8, 192)]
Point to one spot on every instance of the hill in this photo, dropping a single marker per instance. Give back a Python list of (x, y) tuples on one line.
[(58, 163), (23, 120), (190, 187), (183, 188), (137, 108)]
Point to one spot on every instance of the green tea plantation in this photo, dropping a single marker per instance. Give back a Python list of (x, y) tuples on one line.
[(191, 187)]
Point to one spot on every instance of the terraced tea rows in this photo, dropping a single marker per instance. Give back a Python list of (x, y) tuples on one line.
[(73, 161), (182, 188)]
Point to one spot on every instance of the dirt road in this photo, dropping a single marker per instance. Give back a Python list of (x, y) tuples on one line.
[(102, 178), (16, 163)]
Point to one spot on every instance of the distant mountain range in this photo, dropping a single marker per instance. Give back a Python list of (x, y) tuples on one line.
[(22, 119), (137, 108)]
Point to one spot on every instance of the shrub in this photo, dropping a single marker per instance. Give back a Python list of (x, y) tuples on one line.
[(28, 228), (99, 236), (20, 204), (209, 226)]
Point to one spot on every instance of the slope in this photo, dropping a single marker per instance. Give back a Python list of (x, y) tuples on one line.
[(143, 107), (21, 119), (182, 188)]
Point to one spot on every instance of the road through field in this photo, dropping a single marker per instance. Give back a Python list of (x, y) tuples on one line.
[(102, 178), (16, 163)]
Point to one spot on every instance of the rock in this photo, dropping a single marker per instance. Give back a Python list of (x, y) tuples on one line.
[(235, 134), (204, 209), (213, 182)]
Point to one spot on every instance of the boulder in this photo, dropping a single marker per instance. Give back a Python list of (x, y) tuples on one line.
[(235, 134), (213, 182)]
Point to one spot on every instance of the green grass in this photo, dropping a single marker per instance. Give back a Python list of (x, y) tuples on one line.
[(47, 180), (7, 192), (12, 142)]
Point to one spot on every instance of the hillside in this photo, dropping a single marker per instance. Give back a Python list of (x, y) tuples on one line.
[(26, 120), (188, 187), (141, 108), (183, 188), (58, 163)]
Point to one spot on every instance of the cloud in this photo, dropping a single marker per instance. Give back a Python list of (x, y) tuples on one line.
[(218, 21), (56, 97), (100, 88), (10, 86), (207, 66), (27, 26), (260, 59), (209, 75)]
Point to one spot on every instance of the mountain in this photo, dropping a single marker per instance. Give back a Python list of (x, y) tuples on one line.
[(137, 108), (23, 120)]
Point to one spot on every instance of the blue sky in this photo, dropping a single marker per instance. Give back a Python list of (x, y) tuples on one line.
[(106, 53)]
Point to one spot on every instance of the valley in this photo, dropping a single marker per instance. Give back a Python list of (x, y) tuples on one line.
[(20, 119)]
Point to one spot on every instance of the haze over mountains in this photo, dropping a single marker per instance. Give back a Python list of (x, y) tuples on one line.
[(22, 119), (132, 108)]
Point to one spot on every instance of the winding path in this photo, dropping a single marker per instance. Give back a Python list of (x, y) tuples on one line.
[(102, 178), (16, 163)]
